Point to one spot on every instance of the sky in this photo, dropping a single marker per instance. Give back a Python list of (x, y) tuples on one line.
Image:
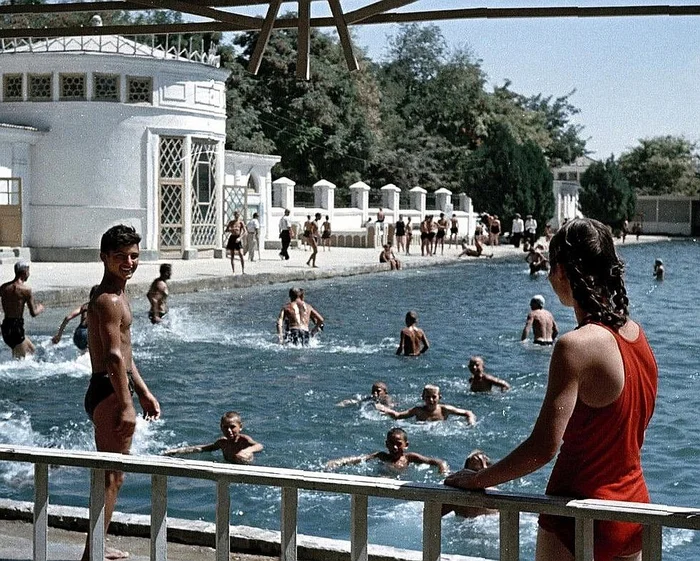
[(634, 77)]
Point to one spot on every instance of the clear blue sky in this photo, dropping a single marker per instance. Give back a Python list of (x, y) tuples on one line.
[(634, 77)]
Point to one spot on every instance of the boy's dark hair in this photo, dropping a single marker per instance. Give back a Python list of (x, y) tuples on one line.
[(397, 430), (295, 293), (166, 268), (411, 318), (118, 236), (231, 415)]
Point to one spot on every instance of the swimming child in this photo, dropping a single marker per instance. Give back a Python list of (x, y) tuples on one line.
[(480, 380), (238, 448), (659, 269), (379, 394), (476, 461), (412, 341), (80, 335), (433, 410), (396, 457)]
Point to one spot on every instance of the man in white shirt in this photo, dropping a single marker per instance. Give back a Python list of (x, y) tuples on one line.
[(516, 230), (285, 228), (253, 228), (530, 229)]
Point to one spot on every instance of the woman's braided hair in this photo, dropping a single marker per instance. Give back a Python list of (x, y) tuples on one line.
[(584, 247)]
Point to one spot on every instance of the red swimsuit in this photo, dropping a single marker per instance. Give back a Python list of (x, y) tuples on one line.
[(600, 454)]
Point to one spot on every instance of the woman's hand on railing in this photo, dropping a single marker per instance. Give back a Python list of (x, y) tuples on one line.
[(463, 479)]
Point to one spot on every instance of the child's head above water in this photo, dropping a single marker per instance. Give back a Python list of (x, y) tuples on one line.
[(476, 364), (396, 441), (431, 394), (477, 460), (379, 389), (411, 318), (231, 424)]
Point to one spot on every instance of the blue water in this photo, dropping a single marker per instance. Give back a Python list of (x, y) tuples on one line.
[(219, 353)]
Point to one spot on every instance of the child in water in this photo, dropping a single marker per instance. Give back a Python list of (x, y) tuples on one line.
[(433, 410), (238, 448), (476, 461), (397, 458), (379, 394), (412, 341)]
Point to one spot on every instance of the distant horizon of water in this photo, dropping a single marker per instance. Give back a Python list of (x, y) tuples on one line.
[(218, 352)]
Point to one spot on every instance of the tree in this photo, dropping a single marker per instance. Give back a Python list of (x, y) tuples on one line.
[(605, 193), (504, 177), (662, 165)]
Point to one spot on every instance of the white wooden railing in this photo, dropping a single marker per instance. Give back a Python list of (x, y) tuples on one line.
[(653, 517)]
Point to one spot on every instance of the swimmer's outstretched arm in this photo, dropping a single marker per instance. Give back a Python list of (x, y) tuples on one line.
[(318, 321), (280, 327), (396, 414), (350, 460), (415, 458), (498, 382), (74, 314), (452, 410), (192, 449)]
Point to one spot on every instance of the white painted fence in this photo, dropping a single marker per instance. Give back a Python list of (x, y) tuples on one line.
[(654, 517)]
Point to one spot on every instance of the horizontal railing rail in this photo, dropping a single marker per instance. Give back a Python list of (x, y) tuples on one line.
[(653, 516)]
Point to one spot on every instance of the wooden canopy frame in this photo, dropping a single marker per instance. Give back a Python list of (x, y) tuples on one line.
[(222, 20)]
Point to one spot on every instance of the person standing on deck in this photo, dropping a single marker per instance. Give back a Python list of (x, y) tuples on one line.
[(285, 228)]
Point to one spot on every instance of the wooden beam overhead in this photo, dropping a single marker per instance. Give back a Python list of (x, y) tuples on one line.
[(304, 41), (382, 6), (199, 10), (343, 34), (264, 36)]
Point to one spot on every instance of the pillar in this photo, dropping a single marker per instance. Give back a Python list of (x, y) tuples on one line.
[(359, 198), (283, 193), (443, 199), (324, 195), (417, 195)]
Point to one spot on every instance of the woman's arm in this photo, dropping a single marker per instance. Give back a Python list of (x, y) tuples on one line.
[(74, 314)]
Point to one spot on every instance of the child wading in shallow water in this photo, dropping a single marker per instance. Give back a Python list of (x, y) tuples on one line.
[(433, 410), (396, 458), (238, 448), (412, 341)]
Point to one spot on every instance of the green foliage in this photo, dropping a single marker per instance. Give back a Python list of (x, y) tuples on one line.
[(662, 165), (605, 194), (504, 177)]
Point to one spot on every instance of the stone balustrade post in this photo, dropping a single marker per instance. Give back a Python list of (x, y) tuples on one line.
[(417, 195), (324, 195), (359, 198), (390, 197), (443, 199), (283, 193)]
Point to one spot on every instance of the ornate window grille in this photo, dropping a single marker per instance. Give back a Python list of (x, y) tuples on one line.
[(72, 87), (12, 87), (139, 89), (106, 87), (40, 86), (204, 222), (171, 183)]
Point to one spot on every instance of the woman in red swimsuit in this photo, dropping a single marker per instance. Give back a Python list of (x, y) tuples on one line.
[(600, 396)]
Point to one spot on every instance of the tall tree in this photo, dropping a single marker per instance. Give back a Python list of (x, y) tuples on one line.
[(605, 194), (662, 165)]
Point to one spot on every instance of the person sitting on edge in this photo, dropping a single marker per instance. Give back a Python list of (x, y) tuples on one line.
[(387, 256), (14, 295), (432, 410), (542, 322), (412, 341), (659, 270), (536, 259), (293, 320), (480, 380), (238, 448), (469, 252), (158, 294), (476, 461), (396, 456), (80, 335), (379, 394)]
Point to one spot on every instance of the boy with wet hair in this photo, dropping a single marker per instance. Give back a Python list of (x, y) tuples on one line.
[(237, 448), (412, 341), (379, 394), (432, 410), (476, 461), (480, 380), (396, 456)]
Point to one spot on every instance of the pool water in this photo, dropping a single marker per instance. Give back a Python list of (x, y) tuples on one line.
[(218, 352)]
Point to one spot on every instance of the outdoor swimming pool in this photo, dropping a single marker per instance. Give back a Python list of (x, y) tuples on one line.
[(219, 353)]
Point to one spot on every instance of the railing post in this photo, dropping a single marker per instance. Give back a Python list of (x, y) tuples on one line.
[(651, 543), (159, 518), (584, 539), (288, 524), (97, 515), (41, 511), (223, 513), (509, 524), (432, 530), (358, 528)]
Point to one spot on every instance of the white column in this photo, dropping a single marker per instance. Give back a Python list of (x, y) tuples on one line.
[(324, 195), (390, 197), (359, 197), (220, 180), (418, 200), (187, 197), (284, 192), (443, 198)]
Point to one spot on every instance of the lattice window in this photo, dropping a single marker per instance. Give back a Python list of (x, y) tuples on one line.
[(171, 183), (72, 87), (106, 87), (139, 90), (204, 158), (40, 86), (12, 87)]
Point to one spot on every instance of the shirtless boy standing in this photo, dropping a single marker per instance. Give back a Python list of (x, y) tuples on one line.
[(158, 294), (480, 380), (397, 458), (542, 322), (294, 318), (14, 295), (432, 410), (412, 341), (238, 448), (108, 400)]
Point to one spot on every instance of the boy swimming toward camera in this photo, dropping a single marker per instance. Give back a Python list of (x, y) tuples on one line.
[(379, 394), (238, 448), (396, 456), (432, 410)]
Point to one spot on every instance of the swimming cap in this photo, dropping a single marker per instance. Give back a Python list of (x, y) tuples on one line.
[(538, 298)]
